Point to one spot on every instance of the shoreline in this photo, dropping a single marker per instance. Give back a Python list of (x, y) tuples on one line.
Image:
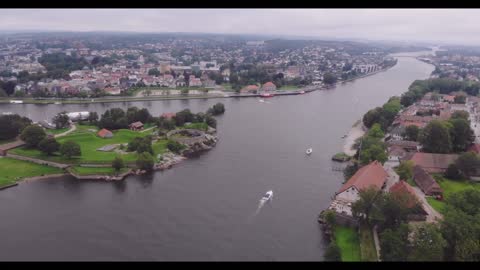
[(357, 131)]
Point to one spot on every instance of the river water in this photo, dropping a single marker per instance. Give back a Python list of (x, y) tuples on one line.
[(204, 208)]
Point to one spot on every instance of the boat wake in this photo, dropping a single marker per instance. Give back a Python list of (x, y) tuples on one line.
[(263, 201)]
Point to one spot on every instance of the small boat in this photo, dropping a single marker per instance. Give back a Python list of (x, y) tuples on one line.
[(57, 103), (302, 92), (261, 100), (309, 151), (266, 95), (268, 196), (7, 113), (344, 136)]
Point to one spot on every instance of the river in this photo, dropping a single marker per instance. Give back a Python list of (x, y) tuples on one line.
[(203, 208)]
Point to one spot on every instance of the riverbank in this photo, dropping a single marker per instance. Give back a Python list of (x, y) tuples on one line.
[(357, 131), (366, 75)]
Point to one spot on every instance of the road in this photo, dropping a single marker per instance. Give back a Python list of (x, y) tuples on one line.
[(72, 129), (433, 215)]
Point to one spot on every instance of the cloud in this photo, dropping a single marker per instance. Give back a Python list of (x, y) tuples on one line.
[(448, 25)]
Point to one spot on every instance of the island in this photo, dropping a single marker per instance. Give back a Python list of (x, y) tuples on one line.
[(110, 147)]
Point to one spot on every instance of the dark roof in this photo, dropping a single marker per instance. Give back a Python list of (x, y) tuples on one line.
[(136, 124), (403, 188), (372, 174), (425, 181), (433, 162)]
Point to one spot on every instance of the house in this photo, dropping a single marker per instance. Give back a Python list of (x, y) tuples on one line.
[(136, 126), (409, 146), (269, 86), (403, 191), (105, 133), (168, 115), (252, 89), (194, 82), (426, 182), (372, 175), (433, 163), (396, 153)]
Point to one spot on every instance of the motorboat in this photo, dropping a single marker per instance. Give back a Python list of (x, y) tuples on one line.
[(266, 95), (7, 113), (309, 151), (57, 103), (268, 196), (302, 92), (261, 100), (344, 136)]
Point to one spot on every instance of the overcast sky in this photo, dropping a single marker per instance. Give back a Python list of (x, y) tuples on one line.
[(459, 26)]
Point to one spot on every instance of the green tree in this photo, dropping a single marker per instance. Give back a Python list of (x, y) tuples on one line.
[(61, 120), (394, 244), (349, 171), (405, 170), (435, 138), (373, 116), (333, 253), (218, 108), (376, 131), (461, 134), (412, 132), (330, 218), (154, 72), (374, 152), (329, 78), (428, 243), (460, 99), (145, 161), (48, 145), (460, 114), (70, 149), (453, 172), (468, 163), (364, 207), (118, 164), (93, 118), (32, 135), (174, 146), (12, 125), (212, 122)]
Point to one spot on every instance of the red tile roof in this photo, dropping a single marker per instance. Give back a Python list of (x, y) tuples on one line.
[(104, 132), (168, 115), (433, 162), (372, 174)]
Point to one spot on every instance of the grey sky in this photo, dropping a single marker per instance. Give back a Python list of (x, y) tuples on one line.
[(459, 26)]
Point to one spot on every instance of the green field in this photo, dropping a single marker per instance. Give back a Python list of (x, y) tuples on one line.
[(367, 245), (288, 87), (201, 126), (449, 187), (57, 131), (159, 147), (15, 170), (89, 143), (347, 241), (97, 171)]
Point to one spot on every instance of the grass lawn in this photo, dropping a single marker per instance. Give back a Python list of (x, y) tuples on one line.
[(367, 245), (347, 240), (89, 143), (13, 170), (200, 126), (159, 147), (57, 131), (98, 171), (449, 187)]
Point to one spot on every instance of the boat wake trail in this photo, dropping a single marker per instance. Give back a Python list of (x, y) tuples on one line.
[(259, 207)]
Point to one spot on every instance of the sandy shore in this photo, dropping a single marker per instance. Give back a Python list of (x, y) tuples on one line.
[(356, 132)]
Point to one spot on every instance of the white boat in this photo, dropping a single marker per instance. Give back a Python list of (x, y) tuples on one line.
[(268, 196), (7, 113), (309, 151), (261, 100), (16, 101), (58, 103)]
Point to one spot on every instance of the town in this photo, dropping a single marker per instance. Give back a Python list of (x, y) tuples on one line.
[(56, 66)]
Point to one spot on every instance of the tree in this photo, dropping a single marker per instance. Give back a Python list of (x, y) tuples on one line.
[(329, 78), (70, 149), (182, 117), (394, 244), (412, 132), (141, 144), (48, 145), (333, 253), (453, 172), (12, 125), (435, 138), (330, 218), (117, 164), (154, 72), (32, 135), (145, 162), (428, 243), (374, 152), (373, 116), (462, 135), (466, 200), (349, 171), (61, 120), (174, 146), (468, 163), (460, 114), (376, 132), (364, 206), (460, 99), (218, 108), (9, 87), (93, 118), (212, 122), (3, 93), (405, 170)]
